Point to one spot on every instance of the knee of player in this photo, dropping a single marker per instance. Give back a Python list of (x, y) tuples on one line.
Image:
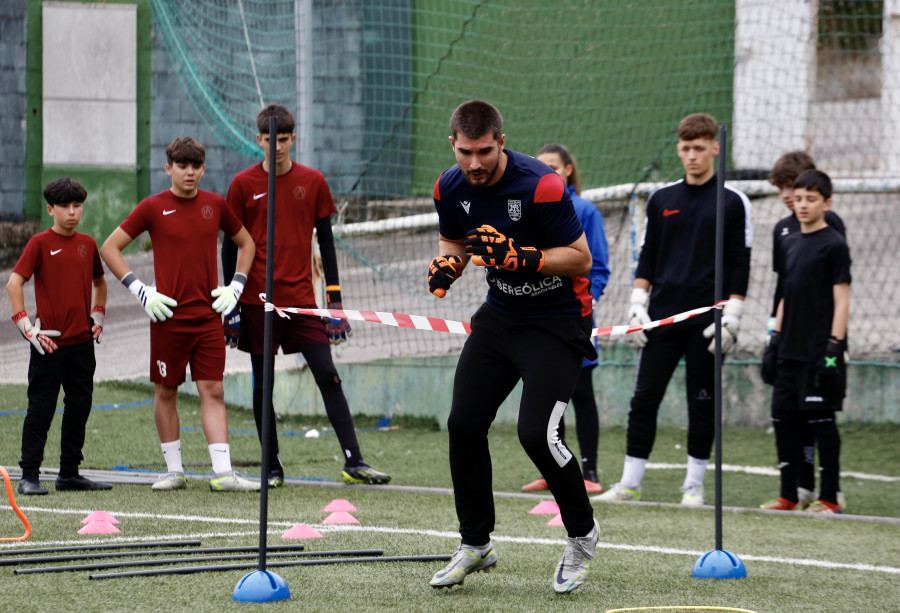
[(330, 380)]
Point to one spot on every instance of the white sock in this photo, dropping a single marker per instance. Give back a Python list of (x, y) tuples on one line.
[(220, 454), (633, 471), (172, 454), (696, 470)]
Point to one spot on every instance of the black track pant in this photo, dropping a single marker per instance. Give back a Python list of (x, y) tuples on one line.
[(498, 353), (656, 363), (321, 365), (72, 368)]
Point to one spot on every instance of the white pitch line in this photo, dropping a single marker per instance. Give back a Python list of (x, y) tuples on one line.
[(772, 472), (450, 535)]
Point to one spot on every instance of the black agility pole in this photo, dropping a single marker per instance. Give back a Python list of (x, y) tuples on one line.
[(32, 550), (219, 567), (717, 318), (138, 553), (190, 559), (263, 586), (718, 563), (268, 358)]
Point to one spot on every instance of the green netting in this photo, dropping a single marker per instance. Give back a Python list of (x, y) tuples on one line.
[(373, 84)]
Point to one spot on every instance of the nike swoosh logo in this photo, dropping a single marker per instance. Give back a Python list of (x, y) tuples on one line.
[(668, 212), (258, 196), (165, 212), (55, 252)]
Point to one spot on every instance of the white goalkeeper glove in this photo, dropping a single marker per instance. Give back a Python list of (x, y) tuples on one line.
[(97, 315), (40, 339), (638, 316), (731, 321), (155, 304), (227, 297)]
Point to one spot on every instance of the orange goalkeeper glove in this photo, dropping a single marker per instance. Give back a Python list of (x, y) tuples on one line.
[(488, 247), (442, 272)]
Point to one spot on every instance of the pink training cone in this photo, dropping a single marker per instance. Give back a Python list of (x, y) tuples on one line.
[(547, 507), (99, 527), (302, 531), (340, 517), (100, 516), (556, 521), (339, 504)]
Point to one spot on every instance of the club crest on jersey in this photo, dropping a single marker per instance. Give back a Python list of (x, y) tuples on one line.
[(515, 209), (207, 212), (82, 251), (299, 192)]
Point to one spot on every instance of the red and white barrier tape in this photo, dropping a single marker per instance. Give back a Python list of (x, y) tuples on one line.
[(420, 322)]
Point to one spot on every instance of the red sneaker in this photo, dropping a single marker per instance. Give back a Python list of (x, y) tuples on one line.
[(592, 488), (780, 504), (535, 486)]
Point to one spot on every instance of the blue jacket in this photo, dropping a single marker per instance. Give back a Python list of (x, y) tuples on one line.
[(592, 221)]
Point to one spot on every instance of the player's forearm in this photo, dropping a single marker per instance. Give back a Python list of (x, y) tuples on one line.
[(111, 252), (246, 252), (841, 293), (779, 315), (573, 260), (451, 247), (15, 289), (100, 290)]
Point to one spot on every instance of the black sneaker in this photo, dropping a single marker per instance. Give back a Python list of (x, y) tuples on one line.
[(80, 483), (363, 473), (31, 486)]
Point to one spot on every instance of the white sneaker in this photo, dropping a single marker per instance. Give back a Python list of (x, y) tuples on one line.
[(233, 482), (619, 493), (170, 481), (692, 495), (465, 560), (576, 561)]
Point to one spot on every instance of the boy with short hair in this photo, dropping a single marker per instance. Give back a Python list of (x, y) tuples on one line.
[(805, 356), (304, 205), (676, 273), (785, 171), (66, 266), (184, 223)]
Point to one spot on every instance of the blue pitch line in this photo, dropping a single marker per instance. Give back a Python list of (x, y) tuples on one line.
[(96, 407)]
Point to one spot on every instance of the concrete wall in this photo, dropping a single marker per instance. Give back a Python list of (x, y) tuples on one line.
[(423, 388), (12, 109)]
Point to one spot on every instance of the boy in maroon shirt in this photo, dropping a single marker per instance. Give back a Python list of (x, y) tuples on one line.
[(66, 266), (185, 306)]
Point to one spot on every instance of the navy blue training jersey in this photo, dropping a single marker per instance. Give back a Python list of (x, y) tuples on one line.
[(529, 203), (678, 254), (813, 264)]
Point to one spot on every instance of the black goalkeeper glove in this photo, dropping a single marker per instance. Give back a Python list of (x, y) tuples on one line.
[(830, 366), (770, 359), (488, 247), (442, 272)]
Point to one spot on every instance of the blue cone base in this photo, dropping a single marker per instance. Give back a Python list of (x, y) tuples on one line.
[(261, 586), (719, 564)]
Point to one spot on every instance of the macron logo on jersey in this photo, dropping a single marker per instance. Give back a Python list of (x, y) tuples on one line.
[(258, 196), (165, 212), (465, 205), (52, 252)]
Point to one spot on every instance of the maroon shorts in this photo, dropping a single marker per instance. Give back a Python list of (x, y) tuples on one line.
[(289, 334), (175, 344)]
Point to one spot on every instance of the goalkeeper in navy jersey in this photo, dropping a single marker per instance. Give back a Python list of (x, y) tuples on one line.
[(512, 215), (676, 273)]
